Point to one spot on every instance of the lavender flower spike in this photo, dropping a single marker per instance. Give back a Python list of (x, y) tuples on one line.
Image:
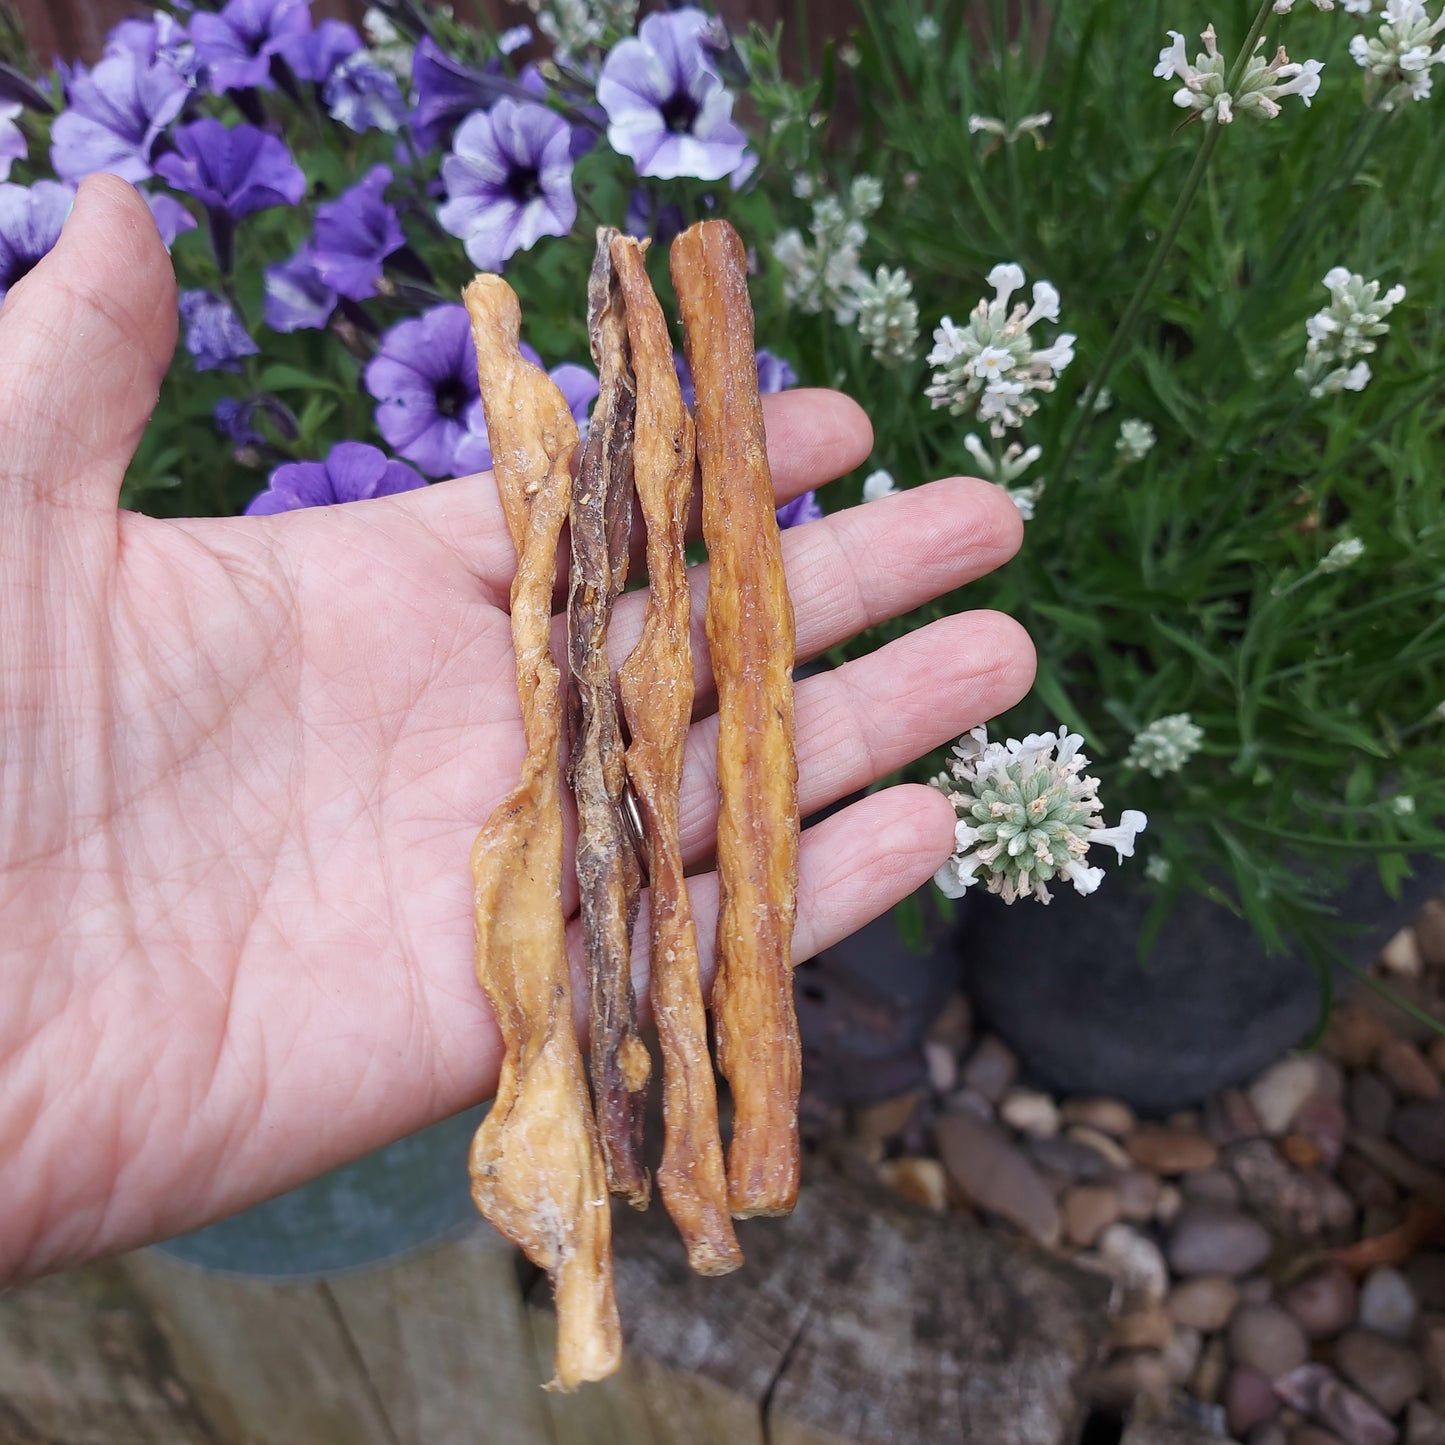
[(30, 222), (353, 472), (509, 180), (237, 45), (117, 113), (12, 139), (425, 380), (666, 104), (297, 299), (214, 334), (354, 234)]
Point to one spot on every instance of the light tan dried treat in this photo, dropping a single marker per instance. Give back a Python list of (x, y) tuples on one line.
[(657, 689), (536, 1167), (607, 871), (750, 634)]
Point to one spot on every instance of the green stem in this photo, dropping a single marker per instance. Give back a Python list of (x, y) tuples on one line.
[(1124, 330)]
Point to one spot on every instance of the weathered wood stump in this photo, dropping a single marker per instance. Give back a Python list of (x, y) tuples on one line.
[(859, 1321)]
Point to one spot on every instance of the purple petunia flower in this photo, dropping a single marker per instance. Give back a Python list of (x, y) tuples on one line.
[(447, 91), (30, 222), (117, 113), (171, 217), (579, 385), (801, 509), (161, 37), (352, 472), (354, 234), (666, 104), (509, 182), (297, 299), (12, 139), (234, 171), (425, 381), (237, 45), (362, 96), (313, 54), (645, 217), (214, 333), (233, 420)]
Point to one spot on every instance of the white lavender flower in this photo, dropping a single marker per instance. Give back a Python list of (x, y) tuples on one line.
[(878, 484), (1398, 59), (1026, 816), (1345, 553), (928, 29), (992, 366), (1157, 868), (389, 48), (1402, 805), (1261, 88), (1345, 331), (574, 25), (1008, 467), (887, 315), (825, 275), (1136, 439), (1357, 7), (1029, 125), (1165, 745), (1283, 7)]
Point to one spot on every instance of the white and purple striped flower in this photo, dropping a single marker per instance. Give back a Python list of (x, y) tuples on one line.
[(667, 107), (30, 222), (215, 336), (237, 44), (509, 182)]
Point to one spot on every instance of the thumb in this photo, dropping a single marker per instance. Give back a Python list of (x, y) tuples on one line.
[(85, 340)]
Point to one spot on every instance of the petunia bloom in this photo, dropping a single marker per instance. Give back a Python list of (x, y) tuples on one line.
[(297, 299), (215, 336), (116, 115), (313, 54), (30, 222), (801, 509), (667, 107), (363, 96), (774, 374), (237, 44), (354, 234), (425, 381), (12, 139), (232, 171), (509, 182), (171, 217), (158, 37), (352, 472)]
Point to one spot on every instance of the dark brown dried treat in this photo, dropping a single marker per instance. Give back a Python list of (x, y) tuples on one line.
[(607, 870), (750, 634), (657, 689), (536, 1166)]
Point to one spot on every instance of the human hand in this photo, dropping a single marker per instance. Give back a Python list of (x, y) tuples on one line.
[(243, 760)]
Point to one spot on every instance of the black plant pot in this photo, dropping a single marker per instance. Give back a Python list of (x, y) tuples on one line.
[(1062, 985)]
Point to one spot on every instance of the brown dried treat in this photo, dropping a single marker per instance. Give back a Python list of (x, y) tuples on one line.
[(536, 1167), (657, 690), (607, 870), (750, 633)]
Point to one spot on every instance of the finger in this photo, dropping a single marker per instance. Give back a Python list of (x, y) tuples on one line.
[(813, 437), (85, 340), (859, 567), (860, 722), (852, 867)]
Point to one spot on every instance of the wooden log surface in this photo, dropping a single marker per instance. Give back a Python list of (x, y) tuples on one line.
[(858, 1321)]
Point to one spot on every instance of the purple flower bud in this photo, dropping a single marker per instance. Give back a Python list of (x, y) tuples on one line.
[(666, 104), (30, 222), (354, 235), (215, 336), (117, 113), (352, 472), (237, 45), (297, 299), (509, 182)]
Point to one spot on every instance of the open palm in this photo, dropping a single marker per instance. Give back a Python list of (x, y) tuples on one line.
[(242, 762)]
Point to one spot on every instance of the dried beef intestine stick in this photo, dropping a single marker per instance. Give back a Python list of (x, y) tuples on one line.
[(607, 871), (536, 1167), (750, 634), (656, 687)]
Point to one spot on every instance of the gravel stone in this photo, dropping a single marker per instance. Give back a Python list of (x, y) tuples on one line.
[(1278, 1092), (1088, 1210), (988, 1169), (1205, 1303), (1030, 1112), (1249, 1400), (991, 1068), (1423, 1426), (1355, 1035), (1371, 1103), (1408, 1071), (1213, 1239), (1134, 1260), (1383, 1369), (1419, 1129), (1387, 1303), (1266, 1338), (1323, 1302), (1170, 1151), (1108, 1116)]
